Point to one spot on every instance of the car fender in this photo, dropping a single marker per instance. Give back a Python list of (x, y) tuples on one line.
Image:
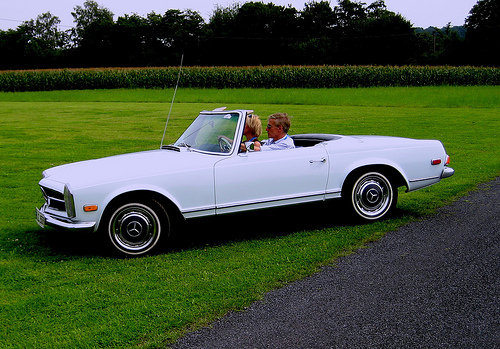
[(136, 187), (349, 168)]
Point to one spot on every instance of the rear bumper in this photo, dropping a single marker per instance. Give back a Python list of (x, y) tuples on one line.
[(447, 172), (44, 219)]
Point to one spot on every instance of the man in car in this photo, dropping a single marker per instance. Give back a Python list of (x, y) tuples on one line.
[(277, 127)]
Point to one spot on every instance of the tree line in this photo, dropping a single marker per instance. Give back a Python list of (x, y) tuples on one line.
[(253, 33)]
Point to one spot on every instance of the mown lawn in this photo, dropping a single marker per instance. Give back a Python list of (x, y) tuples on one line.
[(61, 289)]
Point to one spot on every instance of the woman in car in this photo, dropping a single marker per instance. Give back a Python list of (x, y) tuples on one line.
[(252, 131)]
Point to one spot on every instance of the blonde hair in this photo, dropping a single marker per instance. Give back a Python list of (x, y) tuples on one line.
[(254, 124)]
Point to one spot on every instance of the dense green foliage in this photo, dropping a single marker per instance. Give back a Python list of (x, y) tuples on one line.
[(61, 289), (252, 33), (241, 77), (483, 32)]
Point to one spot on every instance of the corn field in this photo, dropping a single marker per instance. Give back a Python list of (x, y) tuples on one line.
[(247, 77)]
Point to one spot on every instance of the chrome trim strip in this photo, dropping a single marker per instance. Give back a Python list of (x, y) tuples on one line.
[(208, 152), (423, 179), (283, 198), (199, 209), (62, 222), (318, 196), (200, 213), (333, 194)]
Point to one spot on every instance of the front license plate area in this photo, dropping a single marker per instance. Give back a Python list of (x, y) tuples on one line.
[(40, 218)]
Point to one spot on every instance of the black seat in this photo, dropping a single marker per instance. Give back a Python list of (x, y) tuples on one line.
[(310, 139)]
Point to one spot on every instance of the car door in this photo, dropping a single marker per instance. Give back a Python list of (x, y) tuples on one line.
[(270, 178)]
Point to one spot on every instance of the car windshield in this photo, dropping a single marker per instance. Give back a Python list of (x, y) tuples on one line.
[(210, 132)]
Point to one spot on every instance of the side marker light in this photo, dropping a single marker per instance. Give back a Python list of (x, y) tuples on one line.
[(90, 208), (436, 161)]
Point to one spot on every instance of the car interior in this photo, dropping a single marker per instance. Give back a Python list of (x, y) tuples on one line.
[(311, 139)]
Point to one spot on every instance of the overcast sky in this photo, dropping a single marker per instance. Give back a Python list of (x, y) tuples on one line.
[(421, 13)]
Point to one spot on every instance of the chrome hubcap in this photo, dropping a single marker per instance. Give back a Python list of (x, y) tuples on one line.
[(372, 195), (135, 227)]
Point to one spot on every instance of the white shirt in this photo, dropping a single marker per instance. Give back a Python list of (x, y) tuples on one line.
[(282, 143)]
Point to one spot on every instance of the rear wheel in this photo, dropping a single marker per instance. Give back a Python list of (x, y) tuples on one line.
[(372, 196), (135, 228)]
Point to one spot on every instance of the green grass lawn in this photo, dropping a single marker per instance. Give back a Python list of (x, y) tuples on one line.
[(63, 289)]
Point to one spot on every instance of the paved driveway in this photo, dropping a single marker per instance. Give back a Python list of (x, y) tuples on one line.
[(431, 284)]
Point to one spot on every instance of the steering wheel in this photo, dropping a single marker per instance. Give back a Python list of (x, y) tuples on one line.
[(225, 144)]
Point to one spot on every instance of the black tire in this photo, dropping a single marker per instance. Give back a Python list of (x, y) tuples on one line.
[(371, 196), (135, 228)]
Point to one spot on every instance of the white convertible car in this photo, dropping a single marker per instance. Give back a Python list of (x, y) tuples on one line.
[(133, 198)]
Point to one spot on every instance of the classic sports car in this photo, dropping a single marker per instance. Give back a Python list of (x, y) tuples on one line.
[(133, 198)]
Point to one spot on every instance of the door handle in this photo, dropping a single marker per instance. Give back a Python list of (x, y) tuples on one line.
[(323, 160)]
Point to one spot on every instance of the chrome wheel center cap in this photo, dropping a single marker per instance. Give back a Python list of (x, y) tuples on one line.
[(372, 196), (134, 229)]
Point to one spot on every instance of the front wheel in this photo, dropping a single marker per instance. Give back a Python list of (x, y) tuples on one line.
[(372, 196), (135, 228)]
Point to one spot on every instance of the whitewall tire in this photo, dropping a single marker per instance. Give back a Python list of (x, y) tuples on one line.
[(136, 228)]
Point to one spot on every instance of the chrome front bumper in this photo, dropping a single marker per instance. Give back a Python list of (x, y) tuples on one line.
[(46, 219), (447, 172)]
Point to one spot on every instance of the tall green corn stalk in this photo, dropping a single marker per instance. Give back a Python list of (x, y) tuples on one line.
[(250, 77)]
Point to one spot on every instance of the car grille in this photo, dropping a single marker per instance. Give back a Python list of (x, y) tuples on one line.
[(54, 199)]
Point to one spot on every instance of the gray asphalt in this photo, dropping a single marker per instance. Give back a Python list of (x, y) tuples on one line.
[(434, 283)]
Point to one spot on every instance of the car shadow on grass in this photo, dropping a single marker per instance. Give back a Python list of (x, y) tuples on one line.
[(197, 233), (61, 244), (262, 224)]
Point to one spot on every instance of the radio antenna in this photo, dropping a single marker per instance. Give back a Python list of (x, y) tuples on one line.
[(172, 103)]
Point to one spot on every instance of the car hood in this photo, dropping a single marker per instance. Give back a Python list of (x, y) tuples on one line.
[(127, 167)]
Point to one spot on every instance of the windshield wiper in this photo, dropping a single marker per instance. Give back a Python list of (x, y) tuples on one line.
[(184, 145), (170, 147)]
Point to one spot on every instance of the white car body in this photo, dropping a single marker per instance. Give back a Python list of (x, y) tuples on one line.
[(197, 183)]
